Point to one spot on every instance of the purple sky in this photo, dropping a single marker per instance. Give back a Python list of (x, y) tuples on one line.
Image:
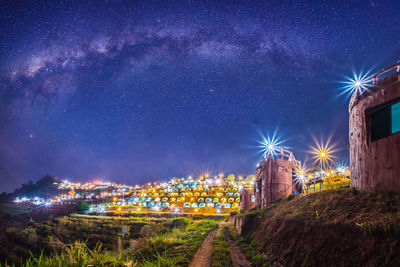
[(138, 91)]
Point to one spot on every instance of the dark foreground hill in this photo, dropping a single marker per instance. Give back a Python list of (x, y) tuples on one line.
[(330, 228)]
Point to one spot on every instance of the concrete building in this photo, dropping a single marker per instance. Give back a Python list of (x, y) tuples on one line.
[(374, 133), (274, 177), (246, 200)]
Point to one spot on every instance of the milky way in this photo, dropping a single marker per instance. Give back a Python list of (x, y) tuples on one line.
[(148, 90)]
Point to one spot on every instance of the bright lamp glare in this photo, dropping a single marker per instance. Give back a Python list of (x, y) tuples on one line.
[(300, 176), (341, 168), (357, 83), (270, 145), (323, 152)]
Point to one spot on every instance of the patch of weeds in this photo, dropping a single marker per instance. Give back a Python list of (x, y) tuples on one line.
[(162, 260), (220, 254)]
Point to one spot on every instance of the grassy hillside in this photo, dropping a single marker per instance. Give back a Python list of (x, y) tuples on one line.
[(78, 240), (336, 227)]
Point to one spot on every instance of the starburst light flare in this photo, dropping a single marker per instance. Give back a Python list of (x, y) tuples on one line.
[(270, 145), (358, 83), (323, 152), (300, 176)]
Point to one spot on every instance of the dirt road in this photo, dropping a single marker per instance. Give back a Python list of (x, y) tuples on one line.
[(202, 258), (203, 255), (237, 257)]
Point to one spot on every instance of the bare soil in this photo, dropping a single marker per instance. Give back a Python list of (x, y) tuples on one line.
[(237, 256), (203, 255)]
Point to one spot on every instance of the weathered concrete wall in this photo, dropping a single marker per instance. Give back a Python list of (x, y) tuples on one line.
[(374, 166), (239, 221), (245, 200), (273, 180), (258, 187)]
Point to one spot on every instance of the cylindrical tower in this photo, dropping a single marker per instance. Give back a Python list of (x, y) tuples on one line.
[(374, 135), (274, 179)]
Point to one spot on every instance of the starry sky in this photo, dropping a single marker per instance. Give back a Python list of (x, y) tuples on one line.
[(136, 91)]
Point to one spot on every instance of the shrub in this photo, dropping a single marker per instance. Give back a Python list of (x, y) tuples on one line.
[(31, 222), (29, 234), (150, 230), (179, 223), (82, 206)]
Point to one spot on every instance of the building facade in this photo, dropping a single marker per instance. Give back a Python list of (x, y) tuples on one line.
[(274, 179), (374, 134)]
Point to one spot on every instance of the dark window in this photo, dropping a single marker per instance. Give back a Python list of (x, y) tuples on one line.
[(395, 112), (380, 124)]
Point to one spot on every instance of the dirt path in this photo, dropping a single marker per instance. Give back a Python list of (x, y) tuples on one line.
[(202, 257), (237, 256)]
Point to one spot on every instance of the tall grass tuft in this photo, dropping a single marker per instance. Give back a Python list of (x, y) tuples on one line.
[(77, 254)]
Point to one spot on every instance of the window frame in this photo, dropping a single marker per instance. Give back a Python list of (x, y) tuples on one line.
[(371, 111)]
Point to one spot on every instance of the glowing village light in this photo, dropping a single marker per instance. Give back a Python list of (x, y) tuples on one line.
[(341, 168)]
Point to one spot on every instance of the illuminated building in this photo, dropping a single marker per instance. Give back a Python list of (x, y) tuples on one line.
[(274, 176), (374, 133)]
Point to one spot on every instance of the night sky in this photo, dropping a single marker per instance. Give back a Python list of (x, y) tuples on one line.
[(143, 91)]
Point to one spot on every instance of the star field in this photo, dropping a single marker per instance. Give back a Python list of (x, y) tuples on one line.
[(146, 90)]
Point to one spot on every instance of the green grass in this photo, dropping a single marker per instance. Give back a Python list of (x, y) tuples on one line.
[(105, 241), (77, 254), (179, 244), (220, 254), (161, 261)]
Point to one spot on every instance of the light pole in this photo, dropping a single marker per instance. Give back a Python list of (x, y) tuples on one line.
[(323, 156), (323, 153)]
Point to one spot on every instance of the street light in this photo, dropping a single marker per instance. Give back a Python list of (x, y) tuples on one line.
[(323, 154)]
